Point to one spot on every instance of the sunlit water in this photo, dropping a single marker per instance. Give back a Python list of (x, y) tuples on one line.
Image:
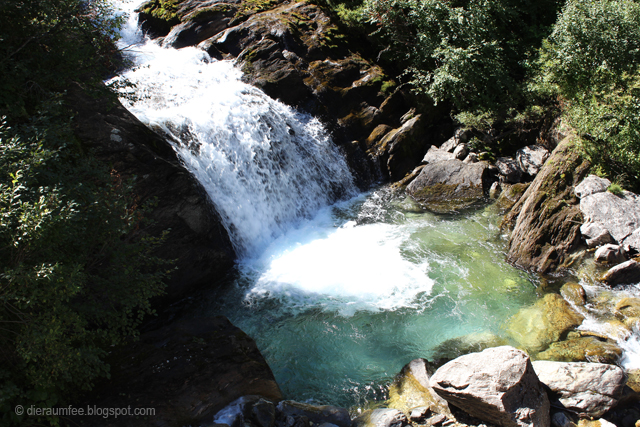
[(339, 289)]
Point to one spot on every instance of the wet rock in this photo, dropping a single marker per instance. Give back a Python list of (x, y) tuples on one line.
[(188, 370), (247, 410), (531, 158), (314, 413), (610, 254), (595, 234), (628, 307), (534, 328), (461, 152), (582, 349), (574, 294), (589, 389), (627, 272), (592, 184), (509, 169), (470, 343), (546, 220), (497, 385), (381, 417), (450, 185), (494, 191), (619, 215), (561, 419), (412, 389)]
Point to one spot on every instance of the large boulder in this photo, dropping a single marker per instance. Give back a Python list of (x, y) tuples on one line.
[(412, 389), (189, 370), (625, 273), (592, 184), (534, 328), (450, 185), (610, 254), (546, 220), (497, 385), (619, 215), (582, 349), (589, 389)]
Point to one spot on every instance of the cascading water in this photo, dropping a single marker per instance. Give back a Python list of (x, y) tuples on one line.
[(338, 296)]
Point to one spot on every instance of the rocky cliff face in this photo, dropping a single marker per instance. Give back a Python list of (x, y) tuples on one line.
[(296, 52), (196, 239)]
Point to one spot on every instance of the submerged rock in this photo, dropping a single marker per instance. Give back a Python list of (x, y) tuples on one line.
[(471, 343), (497, 385), (450, 185), (582, 349), (546, 220), (589, 389), (534, 328)]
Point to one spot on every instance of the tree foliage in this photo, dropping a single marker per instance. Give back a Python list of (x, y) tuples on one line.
[(73, 279)]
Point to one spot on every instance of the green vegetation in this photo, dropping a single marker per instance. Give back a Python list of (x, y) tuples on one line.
[(616, 189), (73, 280)]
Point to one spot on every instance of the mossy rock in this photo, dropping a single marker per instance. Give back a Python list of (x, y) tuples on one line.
[(582, 349), (510, 195), (574, 294), (471, 343), (534, 328), (411, 389)]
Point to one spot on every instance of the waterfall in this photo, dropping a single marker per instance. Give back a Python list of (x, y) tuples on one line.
[(264, 165)]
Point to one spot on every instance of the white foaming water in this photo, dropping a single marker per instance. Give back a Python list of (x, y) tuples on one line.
[(264, 165)]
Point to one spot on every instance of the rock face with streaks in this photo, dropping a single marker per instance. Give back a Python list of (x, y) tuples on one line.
[(589, 389), (497, 385)]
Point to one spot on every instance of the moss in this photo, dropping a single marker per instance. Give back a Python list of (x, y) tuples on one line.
[(208, 12), (164, 10), (250, 7), (616, 189)]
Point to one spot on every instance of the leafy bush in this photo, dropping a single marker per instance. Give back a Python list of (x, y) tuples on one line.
[(73, 279), (591, 60)]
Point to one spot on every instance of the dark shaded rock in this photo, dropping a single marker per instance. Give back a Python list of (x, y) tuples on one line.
[(450, 185), (197, 240), (610, 254), (381, 417), (627, 272), (497, 385), (509, 169), (201, 25), (314, 413), (531, 158), (494, 191), (588, 389), (435, 155), (546, 219), (187, 371), (405, 147), (592, 184), (247, 410)]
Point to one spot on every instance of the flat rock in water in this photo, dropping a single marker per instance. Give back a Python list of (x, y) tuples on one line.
[(627, 272), (450, 185), (531, 158), (619, 215), (590, 389), (382, 417), (592, 184), (497, 385)]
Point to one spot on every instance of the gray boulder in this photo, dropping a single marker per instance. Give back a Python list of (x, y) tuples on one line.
[(471, 158), (450, 144), (315, 413), (595, 234), (611, 254), (627, 272), (589, 389), (591, 185), (497, 385), (461, 152), (450, 185), (619, 215), (509, 169), (531, 158), (382, 417), (435, 155)]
